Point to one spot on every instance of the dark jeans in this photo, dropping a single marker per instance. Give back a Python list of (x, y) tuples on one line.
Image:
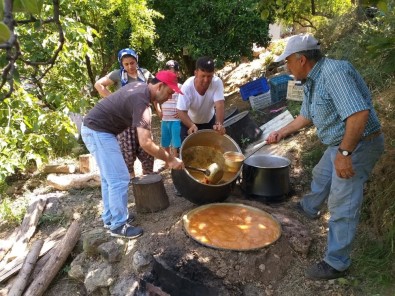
[(200, 126)]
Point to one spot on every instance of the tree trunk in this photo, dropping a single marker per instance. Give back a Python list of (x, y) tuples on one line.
[(55, 263), (21, 281), (60, 168), (149, 193)]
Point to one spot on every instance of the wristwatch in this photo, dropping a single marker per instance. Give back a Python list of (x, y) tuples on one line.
[(344, 152)]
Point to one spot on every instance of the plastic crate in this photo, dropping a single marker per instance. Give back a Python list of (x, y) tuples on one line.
[(254, 88), (295, 91), (261, 101), (278, 87)]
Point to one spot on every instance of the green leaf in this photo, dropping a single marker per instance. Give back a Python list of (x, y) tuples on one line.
[(17, 6), (264, 14), (33, 6), (382, 5), (5, 32)]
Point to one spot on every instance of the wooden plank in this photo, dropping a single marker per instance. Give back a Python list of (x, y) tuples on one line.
[(26, 230), (15, 265)]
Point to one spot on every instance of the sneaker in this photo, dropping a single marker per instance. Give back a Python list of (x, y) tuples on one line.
[(129, 221), (323, 271), (299, 208), (127, 231)]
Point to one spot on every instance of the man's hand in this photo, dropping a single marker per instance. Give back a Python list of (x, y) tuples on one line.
[(274, 137), (175, 163), (343, 166), (192, 129), (219, 128)]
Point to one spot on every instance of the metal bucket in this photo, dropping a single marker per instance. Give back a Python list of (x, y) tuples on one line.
[(266, 176), (200, 150)]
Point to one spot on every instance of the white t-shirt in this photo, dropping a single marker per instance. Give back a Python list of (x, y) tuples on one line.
[(200, 108)]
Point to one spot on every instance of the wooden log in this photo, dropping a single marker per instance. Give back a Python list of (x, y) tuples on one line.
[(60, 168), (149, 193), (87, 164), (27, 229), (75, 181), (21, 281), (15, 265), (55, 263)]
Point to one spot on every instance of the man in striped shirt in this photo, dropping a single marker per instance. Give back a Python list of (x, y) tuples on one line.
[(338, 102)]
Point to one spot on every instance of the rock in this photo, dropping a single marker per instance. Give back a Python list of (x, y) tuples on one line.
[(98, 276), (79, 267), (125, 286), (112, 251), (141, 260), (93, 239)]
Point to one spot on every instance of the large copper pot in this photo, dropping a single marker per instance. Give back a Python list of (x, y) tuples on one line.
[(200, 150)]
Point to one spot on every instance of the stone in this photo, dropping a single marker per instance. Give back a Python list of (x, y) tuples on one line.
[(140, 260), (112, 251), (125, 286), (93, 239), (98, 276)]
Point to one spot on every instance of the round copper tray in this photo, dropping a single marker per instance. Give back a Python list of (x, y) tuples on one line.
[(231, 226)]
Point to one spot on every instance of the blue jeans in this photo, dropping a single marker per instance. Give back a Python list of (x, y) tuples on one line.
[(113, 172), (344, 197)]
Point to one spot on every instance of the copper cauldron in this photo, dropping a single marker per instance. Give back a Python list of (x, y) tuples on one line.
[(200, 150)]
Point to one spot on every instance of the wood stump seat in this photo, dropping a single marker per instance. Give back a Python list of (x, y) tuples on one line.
[(149, 193)]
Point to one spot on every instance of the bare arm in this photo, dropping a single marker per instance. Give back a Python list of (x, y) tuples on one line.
[(355, 125), (158, 109), (102, 84), (146, 142), (298, 123), (219, 117)]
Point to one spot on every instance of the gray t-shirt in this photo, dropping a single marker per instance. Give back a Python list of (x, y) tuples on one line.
[(142, 75), (128, 106)]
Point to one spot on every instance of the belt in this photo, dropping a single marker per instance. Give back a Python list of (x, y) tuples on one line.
[(371, 136)]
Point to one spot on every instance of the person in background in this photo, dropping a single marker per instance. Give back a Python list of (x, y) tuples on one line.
[(170, 125), (202, 105), (127, 107), (338, 102), (128, 72)]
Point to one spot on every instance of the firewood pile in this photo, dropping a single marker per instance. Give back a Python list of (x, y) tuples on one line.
[(29, 264)]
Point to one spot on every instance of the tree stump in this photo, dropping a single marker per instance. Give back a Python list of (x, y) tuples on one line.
[(149, 193)]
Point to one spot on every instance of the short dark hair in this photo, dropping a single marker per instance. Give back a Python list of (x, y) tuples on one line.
[(312, 55), (205, 64)]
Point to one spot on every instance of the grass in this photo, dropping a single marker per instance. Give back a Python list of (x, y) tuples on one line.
[(374, 264), (48, 219), (12, 212)]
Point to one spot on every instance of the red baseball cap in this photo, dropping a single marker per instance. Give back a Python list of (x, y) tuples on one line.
[(170, 79)]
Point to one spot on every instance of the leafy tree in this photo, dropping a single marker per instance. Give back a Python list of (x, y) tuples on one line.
[(304, 13), (53, 53), (222, 29)]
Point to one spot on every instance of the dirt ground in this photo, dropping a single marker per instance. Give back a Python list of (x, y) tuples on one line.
[(274, 270)]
